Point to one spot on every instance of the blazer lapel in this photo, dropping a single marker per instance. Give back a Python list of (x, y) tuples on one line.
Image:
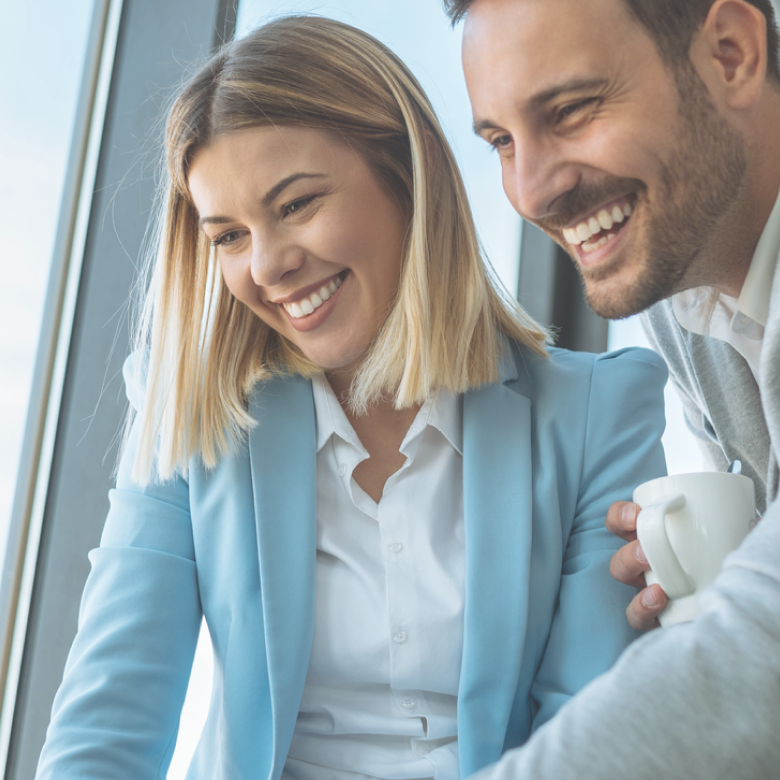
[(497, 505), (282, 455)]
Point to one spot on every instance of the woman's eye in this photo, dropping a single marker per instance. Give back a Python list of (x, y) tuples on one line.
[(226, 239)]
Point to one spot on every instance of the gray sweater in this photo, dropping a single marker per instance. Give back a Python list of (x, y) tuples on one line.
[(698, 701)]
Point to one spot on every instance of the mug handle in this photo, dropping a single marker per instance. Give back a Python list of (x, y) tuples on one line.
[(652, 534)]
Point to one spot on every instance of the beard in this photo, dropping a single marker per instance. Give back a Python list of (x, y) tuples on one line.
[(697, 184)]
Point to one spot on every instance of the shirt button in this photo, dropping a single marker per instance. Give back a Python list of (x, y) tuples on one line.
[(342, 469), (399, 636), (395, 547), (408, 703)]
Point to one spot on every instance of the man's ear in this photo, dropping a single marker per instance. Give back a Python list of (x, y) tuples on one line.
[(730, 53)]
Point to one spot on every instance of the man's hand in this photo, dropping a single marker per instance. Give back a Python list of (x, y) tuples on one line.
[(629, 564)]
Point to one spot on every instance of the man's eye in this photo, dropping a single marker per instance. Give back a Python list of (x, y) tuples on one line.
[(500, 142), (572, 108), (297, 205)]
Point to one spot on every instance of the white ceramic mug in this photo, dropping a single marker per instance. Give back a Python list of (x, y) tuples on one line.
[(687, 525)]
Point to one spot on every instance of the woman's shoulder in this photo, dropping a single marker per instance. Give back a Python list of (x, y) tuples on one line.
[(565, 370)]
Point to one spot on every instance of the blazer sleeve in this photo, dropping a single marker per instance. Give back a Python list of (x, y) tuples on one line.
[(116, 713), (697, 701), (621, 449)]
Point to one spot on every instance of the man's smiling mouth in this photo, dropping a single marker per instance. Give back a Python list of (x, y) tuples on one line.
[(598, 229)]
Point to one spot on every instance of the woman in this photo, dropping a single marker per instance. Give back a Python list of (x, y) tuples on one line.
[(352, 454)]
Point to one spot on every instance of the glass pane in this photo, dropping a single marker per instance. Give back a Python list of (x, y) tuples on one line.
[(41, 60)]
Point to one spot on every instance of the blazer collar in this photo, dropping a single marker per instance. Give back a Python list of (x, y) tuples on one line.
[(497, 506), (283, 462)]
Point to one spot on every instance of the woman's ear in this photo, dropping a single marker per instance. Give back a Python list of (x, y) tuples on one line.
[(730, 53)]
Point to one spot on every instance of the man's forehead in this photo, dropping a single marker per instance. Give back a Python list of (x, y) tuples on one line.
[(545, 47), (540, 23)]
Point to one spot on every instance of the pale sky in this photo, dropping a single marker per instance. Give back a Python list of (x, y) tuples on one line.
[(41, 53)]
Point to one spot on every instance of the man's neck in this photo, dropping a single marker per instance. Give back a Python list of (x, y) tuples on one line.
[(740, 236), (760, 192)]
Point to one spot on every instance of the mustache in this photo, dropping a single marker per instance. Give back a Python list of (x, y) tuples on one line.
[(584, 198)]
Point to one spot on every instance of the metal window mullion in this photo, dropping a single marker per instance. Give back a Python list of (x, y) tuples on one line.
[(51, 362)]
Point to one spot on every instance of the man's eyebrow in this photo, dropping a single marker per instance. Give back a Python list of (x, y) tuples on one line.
[(269, 196), (538, 100), (484, 124), (574, 85)]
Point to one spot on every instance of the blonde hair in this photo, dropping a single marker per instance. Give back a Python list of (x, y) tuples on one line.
[(207, 350)]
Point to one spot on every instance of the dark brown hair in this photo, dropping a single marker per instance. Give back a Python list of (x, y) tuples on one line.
[(671, 24)]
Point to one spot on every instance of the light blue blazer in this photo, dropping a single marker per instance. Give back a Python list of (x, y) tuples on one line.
[(545, 452)]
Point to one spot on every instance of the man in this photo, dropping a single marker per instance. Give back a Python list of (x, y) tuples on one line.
[(644, 137)]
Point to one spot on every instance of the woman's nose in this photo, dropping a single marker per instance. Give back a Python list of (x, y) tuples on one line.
[(273, 257)]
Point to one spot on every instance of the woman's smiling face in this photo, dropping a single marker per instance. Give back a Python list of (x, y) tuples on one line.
[(306, 236)]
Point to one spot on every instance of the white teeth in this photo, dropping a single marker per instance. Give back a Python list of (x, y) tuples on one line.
[(603, 240), (604, 219), (308, 305)]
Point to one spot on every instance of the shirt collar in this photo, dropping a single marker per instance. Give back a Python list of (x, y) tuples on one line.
[(694, 308), (442, 411), (329, 416), (757, 289), (445, 414)]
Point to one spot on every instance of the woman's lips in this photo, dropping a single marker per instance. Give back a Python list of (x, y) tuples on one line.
[(308, 304), (304, 315)]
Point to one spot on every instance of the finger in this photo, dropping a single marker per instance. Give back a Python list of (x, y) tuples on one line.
[(642, 612), (629, 564), (621, 519)]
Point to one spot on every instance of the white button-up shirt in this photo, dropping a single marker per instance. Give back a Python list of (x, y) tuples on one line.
[(380, 698), (737, 321)]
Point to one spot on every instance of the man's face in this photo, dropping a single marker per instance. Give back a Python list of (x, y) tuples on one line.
[(626, 165)]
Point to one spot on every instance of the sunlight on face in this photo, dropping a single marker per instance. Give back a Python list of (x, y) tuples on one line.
[(623, 164), (306, 236)]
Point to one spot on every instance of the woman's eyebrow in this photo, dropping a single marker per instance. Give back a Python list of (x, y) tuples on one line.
[(276, 190), (269, 196)]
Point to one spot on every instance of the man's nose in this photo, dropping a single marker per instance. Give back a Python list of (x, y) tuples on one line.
[(536, 177), (273, 257)]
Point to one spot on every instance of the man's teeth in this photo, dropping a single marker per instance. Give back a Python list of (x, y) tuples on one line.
[(314, 301), (604, 220)]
